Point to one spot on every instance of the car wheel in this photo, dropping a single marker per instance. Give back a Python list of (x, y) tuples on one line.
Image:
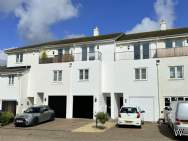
[(52, 117), (143, 122), (140, 126)]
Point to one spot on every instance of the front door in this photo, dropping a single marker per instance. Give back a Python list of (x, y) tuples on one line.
[(108, 106), (120, 102)]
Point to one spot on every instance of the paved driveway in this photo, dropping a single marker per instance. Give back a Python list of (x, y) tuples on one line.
[(61, 130), (59, 124)]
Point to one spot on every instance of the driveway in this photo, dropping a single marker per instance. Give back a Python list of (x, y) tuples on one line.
[(61, 130)]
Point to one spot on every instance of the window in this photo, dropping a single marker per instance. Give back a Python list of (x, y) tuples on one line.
[(173, 98), (84, 53), (84, 74), (180, 98), (145, 50), (179, 43), (66, 50), (141, 50), (19, 57), (167, 102), (140, 74), (137, 51), (186, 98), (168, 44), (11, 79), (176, 72), (57, 76), (91, 53)]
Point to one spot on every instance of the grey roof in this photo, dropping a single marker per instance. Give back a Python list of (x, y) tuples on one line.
[(159, 33), (67, 41)]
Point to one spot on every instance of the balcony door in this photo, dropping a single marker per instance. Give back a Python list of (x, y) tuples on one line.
[(84, 53), (137, 51)]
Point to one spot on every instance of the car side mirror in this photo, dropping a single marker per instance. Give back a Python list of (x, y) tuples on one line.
[(142, 111)]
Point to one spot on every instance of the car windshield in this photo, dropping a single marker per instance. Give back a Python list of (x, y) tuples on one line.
[(128, 110), (33, 110)]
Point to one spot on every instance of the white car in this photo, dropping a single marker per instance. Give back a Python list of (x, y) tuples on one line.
[(131, 116)]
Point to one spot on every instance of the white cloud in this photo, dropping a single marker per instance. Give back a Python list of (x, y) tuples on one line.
[(8, 6), (74, 36), (164, 10), (37, 16)]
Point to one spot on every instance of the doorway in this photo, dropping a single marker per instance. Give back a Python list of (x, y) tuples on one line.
[(108, 106)]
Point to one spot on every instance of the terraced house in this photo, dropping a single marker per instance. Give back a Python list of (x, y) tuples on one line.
[(82, 76)]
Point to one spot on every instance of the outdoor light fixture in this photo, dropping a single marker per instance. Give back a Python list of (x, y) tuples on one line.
[(95, 99), (70, 65), (45, 99)]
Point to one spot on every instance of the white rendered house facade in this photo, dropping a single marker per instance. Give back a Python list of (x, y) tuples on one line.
[(80, 77)]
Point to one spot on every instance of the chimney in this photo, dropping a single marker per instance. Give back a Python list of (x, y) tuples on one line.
[(163, 25), (96, 31)]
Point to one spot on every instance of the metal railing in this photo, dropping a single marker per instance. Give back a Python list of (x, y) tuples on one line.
[(71, 58), (131, 55), (153, 53)]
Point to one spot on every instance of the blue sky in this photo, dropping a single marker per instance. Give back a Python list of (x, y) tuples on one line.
[(109, 16)]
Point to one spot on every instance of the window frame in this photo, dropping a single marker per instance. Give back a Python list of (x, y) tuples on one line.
[(141, 78), (19, 58), (176, 72), (85, 76), (11, 80), (57, 77)]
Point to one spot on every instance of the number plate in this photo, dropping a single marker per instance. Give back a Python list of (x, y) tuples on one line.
[(19, 121), (128, 121)]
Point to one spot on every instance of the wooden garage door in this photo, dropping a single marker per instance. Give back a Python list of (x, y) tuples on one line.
[(146, 104)]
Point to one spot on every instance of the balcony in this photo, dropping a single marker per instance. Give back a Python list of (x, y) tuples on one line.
[(152, 53), (172, 52), (91, 56)]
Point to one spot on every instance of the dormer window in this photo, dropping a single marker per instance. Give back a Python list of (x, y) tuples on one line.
[(19, 57)]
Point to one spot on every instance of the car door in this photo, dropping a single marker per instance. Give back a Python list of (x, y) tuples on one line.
[(44, 114)]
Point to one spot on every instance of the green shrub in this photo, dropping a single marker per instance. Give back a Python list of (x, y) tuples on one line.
[(101, 117), (6, 118)]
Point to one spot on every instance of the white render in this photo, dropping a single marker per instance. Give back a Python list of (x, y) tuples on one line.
[(112, 76)]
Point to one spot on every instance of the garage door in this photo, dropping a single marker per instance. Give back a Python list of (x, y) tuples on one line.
[(146, 104), (58, 104), (83, 107)]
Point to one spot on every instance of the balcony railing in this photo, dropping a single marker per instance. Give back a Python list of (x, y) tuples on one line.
[(152, 53), (71, 58), (172, 52)]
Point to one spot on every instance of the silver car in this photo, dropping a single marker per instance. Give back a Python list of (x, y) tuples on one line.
[(177, 117), (34, 115)]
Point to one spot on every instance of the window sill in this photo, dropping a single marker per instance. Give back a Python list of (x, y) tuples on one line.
[(140, 80), (57, 82), (172, 79), (19, 62), (87, 80)]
